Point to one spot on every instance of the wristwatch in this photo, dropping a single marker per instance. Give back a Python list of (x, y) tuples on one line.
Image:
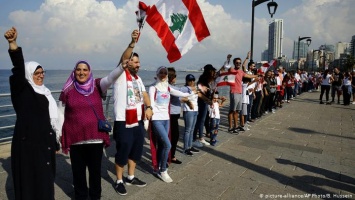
[(151, 108)]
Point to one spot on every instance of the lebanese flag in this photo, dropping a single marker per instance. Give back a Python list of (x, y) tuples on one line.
[(266, 66), (178, 23), (226, 79)]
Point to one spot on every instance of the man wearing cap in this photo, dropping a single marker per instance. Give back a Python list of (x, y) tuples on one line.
[(236, 93)]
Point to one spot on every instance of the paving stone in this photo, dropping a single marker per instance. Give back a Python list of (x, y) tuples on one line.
[(303, 149)]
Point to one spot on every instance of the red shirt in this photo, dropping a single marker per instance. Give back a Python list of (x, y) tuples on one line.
[(237, 87)]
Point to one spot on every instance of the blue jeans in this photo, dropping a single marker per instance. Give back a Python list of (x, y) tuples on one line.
[(161, 130), (201, 117), (214, 125), (190, 118)]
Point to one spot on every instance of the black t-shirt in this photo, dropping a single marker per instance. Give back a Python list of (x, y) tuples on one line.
[(338, 78)]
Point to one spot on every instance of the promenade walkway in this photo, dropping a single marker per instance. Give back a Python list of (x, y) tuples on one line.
[(304, 150)]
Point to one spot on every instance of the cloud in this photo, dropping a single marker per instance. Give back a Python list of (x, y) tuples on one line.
[(60, 32), (326, 21)]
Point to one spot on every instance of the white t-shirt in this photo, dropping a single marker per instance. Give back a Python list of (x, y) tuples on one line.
[(297, 77), (160, 101), (120, 97), (325, 81), (251, 86), (244, 93), (193, 99), (214, 110), (346, 81)]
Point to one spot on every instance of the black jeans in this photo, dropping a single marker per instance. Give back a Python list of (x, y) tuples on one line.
[(325, 88), (271, 103), (82, 156), (256, 102), (174, 131)]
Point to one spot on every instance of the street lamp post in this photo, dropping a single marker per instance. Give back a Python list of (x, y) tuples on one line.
[(313, 58), (298, 54), (272, 6)]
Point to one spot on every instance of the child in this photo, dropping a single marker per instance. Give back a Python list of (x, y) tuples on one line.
[(244, 111), (215, 117)]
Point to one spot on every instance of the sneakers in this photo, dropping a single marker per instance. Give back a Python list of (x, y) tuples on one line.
[(203, 141), (193, 150), (231, 129), (240, 128), (135, 181), (321, 102), (176, 161), (213, 142), (197, 144), (120, 189), (165, 177), (188, 152)]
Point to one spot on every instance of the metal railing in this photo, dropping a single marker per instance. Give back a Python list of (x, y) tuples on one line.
[(7, 129), (7, 125)]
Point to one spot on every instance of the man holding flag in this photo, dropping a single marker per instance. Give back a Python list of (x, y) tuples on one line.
[(237, 74)]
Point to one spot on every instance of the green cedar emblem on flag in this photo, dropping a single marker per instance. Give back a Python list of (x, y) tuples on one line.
[(179, 21)]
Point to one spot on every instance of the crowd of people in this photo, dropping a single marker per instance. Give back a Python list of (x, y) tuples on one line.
[(43, 127)]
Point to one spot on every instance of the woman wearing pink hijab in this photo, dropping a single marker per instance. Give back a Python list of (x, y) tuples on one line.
[(82, 98)]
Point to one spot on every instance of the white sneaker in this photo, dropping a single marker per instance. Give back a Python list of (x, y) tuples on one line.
[(246, 128), (353, 102), (165, 177), (203, 141)]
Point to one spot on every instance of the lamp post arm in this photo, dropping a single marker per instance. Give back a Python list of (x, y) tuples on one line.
[(256, 3), (302, 38)]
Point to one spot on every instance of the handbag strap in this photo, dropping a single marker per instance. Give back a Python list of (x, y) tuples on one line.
[(93, 109)]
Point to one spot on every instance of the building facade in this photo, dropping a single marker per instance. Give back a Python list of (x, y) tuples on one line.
[(275, 39), (341, 48), (303, 50)]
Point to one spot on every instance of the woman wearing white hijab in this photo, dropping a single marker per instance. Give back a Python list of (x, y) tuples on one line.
[(159, 94), (34, 140)]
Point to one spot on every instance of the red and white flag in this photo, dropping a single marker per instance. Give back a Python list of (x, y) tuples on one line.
[(141, 14), (266, 66), (178, 23), (226, 79)]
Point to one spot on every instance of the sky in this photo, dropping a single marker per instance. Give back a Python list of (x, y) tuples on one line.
[(58, 33)]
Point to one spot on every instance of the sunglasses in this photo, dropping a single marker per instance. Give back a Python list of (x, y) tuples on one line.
[(191, 80), (165, 73)]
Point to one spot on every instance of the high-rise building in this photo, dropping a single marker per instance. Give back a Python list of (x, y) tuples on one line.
[(303, 50), (275, 39), (265, 54), (341, 48), (352, 46)]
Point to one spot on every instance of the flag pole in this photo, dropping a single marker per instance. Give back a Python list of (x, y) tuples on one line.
[(140, 21)]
